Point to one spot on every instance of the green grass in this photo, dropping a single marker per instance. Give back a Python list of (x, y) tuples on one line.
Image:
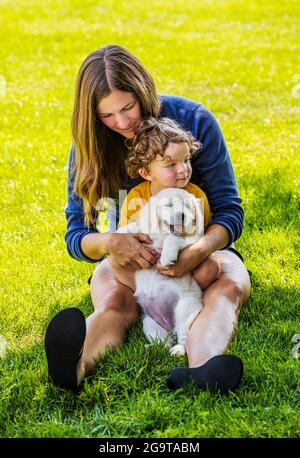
[(240, 59)]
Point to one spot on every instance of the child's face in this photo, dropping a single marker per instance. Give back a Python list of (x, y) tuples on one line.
[(174, 170)]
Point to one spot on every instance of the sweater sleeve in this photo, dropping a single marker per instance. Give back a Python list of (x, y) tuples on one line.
[(213, 172), (74, 212)]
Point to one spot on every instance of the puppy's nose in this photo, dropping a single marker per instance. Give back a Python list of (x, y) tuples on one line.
[(178, 226)]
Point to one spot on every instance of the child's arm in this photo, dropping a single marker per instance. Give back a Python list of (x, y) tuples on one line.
[(207, 272)]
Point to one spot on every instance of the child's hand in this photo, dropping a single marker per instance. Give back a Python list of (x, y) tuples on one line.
[(188, 259)]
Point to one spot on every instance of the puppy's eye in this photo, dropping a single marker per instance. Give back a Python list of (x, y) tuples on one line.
[(187, 204)]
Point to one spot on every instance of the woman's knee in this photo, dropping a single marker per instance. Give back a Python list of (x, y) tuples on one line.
[(235, 280), (119, 299), (108, 293), (238, 285), (233, 289)]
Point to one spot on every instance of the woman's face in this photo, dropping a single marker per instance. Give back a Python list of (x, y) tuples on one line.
[(120, 111)]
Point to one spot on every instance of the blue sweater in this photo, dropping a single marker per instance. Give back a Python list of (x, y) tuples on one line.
[(212, 172)]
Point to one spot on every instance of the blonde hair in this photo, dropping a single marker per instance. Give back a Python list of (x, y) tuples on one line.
[(100, 152), (152, 138)]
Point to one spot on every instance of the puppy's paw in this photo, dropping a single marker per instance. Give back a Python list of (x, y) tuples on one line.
[(177, 350), (168, 259)]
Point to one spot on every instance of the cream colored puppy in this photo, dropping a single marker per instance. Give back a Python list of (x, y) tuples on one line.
[(173, 219)]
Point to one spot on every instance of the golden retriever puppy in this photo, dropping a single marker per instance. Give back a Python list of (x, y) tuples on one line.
[(173, 219)]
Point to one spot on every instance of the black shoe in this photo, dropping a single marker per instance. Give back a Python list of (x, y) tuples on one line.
[(64, 341), (221, 373)]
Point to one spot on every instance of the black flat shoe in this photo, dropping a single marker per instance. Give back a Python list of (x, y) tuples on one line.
[(64, 341), (222, 373)]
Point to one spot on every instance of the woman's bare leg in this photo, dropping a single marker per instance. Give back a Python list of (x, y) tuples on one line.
[(115, 309), (213, 329)]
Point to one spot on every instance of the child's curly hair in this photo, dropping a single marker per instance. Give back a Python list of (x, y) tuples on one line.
[(152, 138)]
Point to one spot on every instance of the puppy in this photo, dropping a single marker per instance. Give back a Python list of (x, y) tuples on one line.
[(173, 219)]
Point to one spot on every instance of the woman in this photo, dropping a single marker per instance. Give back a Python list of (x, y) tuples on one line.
[(114, 93)]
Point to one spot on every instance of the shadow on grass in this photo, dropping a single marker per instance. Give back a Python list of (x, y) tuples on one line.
[(270, 200), (268, 303)]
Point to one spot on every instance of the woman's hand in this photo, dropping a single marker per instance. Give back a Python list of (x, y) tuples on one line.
[(189, 258), (131, 251)]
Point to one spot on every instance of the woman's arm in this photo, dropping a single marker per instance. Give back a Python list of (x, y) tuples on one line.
[(129, 251), (88, 244), (95, 246), (212, 168), (215, 238), (76, 229), (213, 172)]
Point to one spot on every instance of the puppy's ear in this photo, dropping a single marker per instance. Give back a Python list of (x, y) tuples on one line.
[(199, 214), (149, 222)]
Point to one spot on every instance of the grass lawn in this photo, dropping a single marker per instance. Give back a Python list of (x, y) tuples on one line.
[(241, 59)]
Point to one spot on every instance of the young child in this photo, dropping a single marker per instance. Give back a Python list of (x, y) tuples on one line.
[(160, 153)]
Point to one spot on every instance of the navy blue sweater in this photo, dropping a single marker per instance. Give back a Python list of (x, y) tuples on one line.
[(212, 172)]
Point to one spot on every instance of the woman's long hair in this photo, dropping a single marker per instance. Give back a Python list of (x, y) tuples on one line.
[(100, 152)]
